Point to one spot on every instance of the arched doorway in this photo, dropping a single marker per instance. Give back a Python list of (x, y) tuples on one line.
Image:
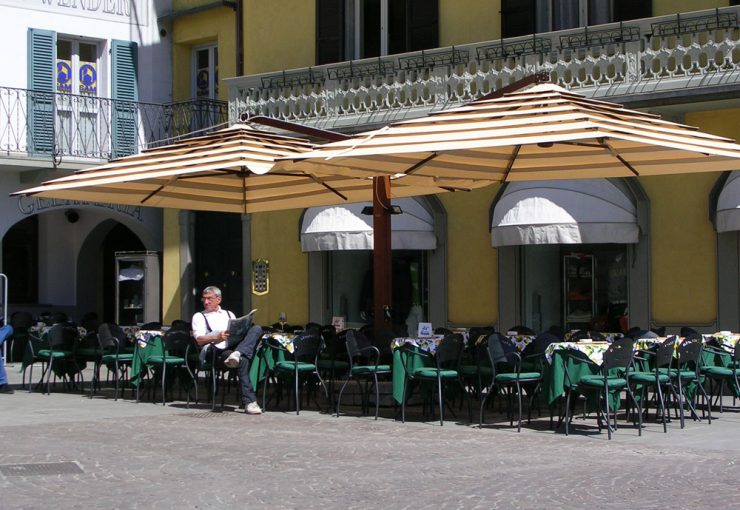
[(96, 267)]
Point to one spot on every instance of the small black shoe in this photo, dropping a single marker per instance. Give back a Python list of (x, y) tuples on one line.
[(5, 388)]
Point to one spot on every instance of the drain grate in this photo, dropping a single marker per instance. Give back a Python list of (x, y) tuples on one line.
[(48, 468), (208, 414)]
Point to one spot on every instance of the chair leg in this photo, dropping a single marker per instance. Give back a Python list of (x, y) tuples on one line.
[(377, 394), (339, 398), (519, 399), (403, 402), (441, 404)]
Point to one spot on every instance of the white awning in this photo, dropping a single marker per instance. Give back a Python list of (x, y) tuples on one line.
[(564, 212), (728, 205), (346, 228)]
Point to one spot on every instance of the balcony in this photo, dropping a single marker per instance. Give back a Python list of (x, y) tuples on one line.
[(68, 128), (652, 61)]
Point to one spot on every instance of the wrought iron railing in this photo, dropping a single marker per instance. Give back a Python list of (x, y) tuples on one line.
[(676, 54), (86, 127)]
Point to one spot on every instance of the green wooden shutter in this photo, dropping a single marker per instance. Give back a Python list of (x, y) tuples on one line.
[(422, 30), (125, 95), (41, 78), (329, 31)]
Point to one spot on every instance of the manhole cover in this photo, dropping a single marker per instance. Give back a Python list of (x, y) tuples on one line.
[(48, 468)]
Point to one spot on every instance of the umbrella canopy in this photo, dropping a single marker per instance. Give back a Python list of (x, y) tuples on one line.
[(229, 170), (544, 132)]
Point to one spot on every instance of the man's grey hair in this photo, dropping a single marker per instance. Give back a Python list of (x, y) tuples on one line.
[(213, 290)]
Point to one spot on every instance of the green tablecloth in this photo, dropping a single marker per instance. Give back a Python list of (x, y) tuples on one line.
[(399, 373), (144, 348)]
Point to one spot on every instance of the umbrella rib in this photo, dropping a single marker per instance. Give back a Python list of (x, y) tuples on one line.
[(418, 164), (160, 188), (510, 165), (333, 190), (614, 153)]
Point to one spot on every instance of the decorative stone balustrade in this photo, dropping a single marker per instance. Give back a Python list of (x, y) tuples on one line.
[(669, 55)]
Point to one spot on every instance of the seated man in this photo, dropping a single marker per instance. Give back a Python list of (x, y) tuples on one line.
[(5, 332), (209, 330)]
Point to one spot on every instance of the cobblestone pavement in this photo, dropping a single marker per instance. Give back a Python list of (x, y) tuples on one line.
[(151, 456)]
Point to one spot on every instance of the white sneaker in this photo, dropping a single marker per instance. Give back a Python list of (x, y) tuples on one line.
[(253, 408), (233, 360)]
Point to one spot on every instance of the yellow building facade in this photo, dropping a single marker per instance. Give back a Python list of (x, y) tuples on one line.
[(681, 269)]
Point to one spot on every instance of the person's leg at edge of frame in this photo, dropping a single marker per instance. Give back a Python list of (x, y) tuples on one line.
[(246, 349), (4, 386)]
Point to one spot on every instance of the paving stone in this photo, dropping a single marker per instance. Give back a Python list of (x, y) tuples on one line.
[(152, 456)]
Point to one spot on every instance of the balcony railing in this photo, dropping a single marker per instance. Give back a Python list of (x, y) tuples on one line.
[(84, 127), (676, 55)]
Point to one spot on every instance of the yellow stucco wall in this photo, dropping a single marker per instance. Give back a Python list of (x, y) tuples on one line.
[(468, 21), (275, 237), (213, 26), (683, 249), (279, 35), (663, 7), (471, 261), (170, 266)]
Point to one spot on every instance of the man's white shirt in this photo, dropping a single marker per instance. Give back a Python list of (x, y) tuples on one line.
[(218, 320)]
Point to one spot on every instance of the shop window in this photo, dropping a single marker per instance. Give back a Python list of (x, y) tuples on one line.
[(355, 29), (575, 286), (205, 72), (351, 286)]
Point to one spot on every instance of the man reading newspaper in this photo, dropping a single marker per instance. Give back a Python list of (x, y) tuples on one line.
[(233, 341)]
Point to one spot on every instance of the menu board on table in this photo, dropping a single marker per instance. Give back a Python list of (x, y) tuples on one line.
[(425, 330)]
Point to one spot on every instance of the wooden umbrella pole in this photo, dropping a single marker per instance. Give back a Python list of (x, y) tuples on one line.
[(382, 269)]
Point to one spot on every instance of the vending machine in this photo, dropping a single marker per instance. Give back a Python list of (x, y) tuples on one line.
[(138, 284)]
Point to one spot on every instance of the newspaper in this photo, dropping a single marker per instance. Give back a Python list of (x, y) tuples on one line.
[(238, 327)]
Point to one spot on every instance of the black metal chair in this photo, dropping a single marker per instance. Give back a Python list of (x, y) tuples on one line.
[(657, 378), (688, 372), (300, 364), (611, 380), (110, 339), (501, 353), (723, 374), (62, 340), (363, 364), (171, 352), (446, 368)]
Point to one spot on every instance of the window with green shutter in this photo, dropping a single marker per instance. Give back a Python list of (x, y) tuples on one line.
[(125, 96), (41, 80)]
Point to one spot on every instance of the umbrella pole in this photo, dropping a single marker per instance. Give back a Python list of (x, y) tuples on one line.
[(382, 271)]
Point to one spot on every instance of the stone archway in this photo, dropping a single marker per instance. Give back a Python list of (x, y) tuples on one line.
[(95, 268)]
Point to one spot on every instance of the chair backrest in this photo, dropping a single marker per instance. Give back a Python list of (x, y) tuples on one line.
[(579, 335), (306, 347), (108, 342), (355, 342), (689, 351), (176, 342), (619, 354), (539, 344), (449, 351), (664, 353), (313, 328), (660, 331), (522, 330), (152, 326), (181, 325), (686, 331), (21, 320), (500, 349), (62, 337), (442, 331)]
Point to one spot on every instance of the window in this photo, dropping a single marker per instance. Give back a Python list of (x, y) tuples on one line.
[(524, 17), (205, 72), (77, 74), (77, 67), (354, 29)]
